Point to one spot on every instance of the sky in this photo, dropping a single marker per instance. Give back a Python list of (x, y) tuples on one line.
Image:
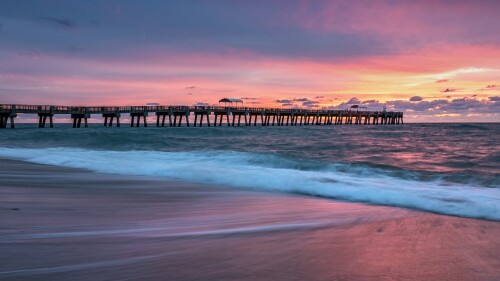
[(437, 61)]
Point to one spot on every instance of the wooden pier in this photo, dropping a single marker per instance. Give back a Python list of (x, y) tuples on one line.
[(222, 115)]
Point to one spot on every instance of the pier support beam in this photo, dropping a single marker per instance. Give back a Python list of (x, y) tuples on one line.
[(4, 119), (42, 119), (135, 117), (201, 115), (77, 119), (162, 115), (109, 117)]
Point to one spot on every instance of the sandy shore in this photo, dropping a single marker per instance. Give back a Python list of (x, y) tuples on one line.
[(68, 224)]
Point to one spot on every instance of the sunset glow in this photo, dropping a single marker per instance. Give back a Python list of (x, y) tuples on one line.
[(434, 60)]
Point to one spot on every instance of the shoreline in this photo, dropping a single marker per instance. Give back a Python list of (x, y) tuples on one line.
[(65, 223)]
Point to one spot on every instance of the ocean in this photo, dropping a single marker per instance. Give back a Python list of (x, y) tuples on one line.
[(451, 169)]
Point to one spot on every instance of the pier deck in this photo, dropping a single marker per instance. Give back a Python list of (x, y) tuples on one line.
[(222, 115)]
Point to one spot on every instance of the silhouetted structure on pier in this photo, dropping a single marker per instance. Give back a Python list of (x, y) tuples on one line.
[(230, 116)]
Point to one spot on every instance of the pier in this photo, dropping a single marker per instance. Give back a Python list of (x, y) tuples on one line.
[(203, 115)]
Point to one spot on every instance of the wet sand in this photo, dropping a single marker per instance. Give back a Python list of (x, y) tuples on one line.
[(69, 224)]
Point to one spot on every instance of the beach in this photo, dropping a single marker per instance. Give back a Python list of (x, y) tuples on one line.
[(293, 140), (71, 224)]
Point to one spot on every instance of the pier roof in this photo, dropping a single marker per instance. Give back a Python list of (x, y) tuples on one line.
[(230, 100)]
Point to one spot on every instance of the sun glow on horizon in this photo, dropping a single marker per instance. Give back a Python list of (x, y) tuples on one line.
[(305, 60)]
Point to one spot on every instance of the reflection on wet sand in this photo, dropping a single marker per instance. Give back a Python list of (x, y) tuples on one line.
[(64, 224)]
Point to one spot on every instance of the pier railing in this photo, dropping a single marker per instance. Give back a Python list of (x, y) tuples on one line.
[(268, 116)]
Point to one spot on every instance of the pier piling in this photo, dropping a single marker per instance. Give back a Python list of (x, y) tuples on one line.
[(135, 116), (110, 114)]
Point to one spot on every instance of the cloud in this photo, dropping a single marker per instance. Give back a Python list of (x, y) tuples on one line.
[(448, 90), (456, 106), (186, 27), (60, 22), (247, 98), (416, 98), (31, 54), (309, 48), (320, 30), (309, 103), (353, 101), (490, 87), (299, 102), (462, 106), (201, 104), (283, 101), (422, 106), (371, 104)]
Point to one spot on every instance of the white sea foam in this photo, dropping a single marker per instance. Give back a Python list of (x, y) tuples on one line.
[(268, 172)]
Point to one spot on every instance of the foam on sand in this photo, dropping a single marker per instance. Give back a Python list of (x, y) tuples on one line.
[(274, 173)]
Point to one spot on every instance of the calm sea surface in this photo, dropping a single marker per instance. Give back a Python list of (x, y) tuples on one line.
[(444, 168)]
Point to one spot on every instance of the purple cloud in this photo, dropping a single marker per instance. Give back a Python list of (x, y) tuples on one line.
[(283, 101), (438, 106), (201, 104), (448, 90), (59, 22), (309, 103), (353, 101)]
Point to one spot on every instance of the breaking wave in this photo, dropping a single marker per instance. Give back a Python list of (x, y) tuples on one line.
[(360, 183)]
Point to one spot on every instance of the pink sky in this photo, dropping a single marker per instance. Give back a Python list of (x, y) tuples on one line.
[(434, 60)]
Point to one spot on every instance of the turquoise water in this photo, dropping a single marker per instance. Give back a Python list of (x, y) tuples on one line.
[(444, 168)]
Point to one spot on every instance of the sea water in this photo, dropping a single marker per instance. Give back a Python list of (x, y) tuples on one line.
[(451, 169)]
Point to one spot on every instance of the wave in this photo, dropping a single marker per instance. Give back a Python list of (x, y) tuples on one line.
[(275, 173)]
